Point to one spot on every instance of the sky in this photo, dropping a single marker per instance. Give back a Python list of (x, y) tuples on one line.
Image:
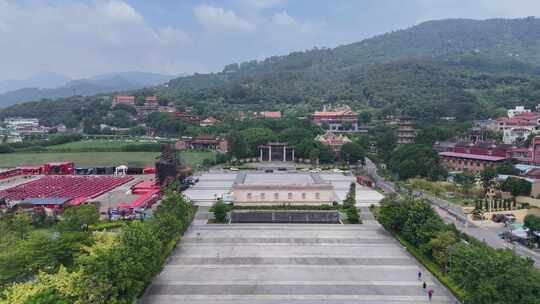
[(81, 38)]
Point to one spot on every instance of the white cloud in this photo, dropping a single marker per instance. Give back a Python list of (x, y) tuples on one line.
[(85, 38), (283, 19), (219, 19), (261, 4), (121, 12)]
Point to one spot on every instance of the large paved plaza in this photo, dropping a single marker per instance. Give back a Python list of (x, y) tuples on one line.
[(262, 263)]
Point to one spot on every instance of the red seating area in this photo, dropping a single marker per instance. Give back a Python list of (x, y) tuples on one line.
[(77, 188), (144, 186), (144, 201), (9, 173)]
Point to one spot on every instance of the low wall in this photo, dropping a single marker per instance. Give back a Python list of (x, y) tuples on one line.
[(285, 216), (520, 214), (531, 201)]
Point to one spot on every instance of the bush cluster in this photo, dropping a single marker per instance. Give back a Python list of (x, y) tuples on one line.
[(470, 268), (113, 268)]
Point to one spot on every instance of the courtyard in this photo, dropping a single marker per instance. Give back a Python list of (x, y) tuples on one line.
[(219, 184), (284, 263)]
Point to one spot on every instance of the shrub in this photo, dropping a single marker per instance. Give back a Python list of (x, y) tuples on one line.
[(220, 211)]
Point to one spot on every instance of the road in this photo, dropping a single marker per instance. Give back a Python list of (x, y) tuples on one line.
[(371, 168), (453, 214)]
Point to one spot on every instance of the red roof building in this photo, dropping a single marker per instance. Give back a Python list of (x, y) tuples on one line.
[(455, 161), (339, 120), (270, 114), (130, 100), (188, 117), (151, 99), (209, 121), (333, 141)]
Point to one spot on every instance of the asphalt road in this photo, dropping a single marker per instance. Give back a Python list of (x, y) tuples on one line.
[(453, 214)]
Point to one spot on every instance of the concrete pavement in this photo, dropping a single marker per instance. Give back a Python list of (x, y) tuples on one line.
[(284, 263)]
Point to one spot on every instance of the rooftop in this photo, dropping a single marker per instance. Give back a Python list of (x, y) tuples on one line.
[(472, 156)]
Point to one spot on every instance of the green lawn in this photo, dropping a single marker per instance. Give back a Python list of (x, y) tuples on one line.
[(96, 145), (83, 159)]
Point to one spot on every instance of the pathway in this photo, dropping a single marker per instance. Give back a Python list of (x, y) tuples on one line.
[(298, 264)]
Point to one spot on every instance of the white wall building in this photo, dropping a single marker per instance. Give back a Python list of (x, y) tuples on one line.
[(274, 189), (518, 110), (18, 122)]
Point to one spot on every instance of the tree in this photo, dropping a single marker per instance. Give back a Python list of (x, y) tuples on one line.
[(21, 224), (532, 222), (352, 153), (488, 177), (238, 145), (392, 215), (314, 155), (220, 211), (507, 168), (516, 186), (350, 200), (364, 117), (422, 223), (257, 136), (47, 296), (416, 160), (78, 218), (466, 179), (440, 246), (386, 142)]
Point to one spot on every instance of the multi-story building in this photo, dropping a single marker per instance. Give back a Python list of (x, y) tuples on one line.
[(341, 119), (19, 122), (476, 156), (517, 111), (130, 100), (518, 127), (405, 133), (455, 161)]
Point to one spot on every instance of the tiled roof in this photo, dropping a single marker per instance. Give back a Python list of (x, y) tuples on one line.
[(472, 156)]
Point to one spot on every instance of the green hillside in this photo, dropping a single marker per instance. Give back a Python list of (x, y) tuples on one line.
[(458, 67)]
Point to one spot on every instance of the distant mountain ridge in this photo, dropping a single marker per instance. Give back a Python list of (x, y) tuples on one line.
[(43, 80), (105, 83), (461, 51), (456, 67)]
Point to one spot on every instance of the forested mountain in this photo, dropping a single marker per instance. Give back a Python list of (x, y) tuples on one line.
[(458, 67), (85, 87), (438, 68)]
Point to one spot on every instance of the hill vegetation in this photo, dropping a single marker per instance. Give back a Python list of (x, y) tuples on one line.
[(462, 68)]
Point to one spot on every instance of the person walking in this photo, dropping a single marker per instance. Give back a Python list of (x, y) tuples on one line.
[(424, 286), (430, 294), (419, 275)]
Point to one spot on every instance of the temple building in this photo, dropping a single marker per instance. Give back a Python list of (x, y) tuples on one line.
[(273, 189), (405, 133), (341, 119), (276, 152), (333, 141), (130, 100), (203, 142)]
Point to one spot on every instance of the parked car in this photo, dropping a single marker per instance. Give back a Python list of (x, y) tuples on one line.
[(509, 219), (497, 218), (269, 171)]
